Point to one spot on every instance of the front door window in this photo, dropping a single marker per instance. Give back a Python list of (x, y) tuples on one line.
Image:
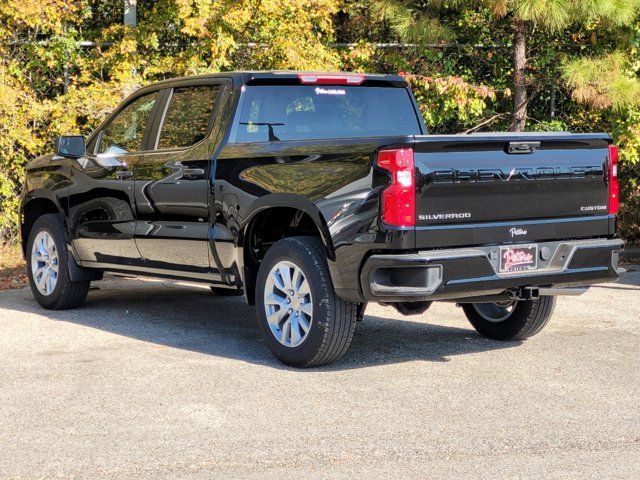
[(125, 133)]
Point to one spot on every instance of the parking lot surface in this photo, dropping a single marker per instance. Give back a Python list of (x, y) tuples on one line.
[(165, 380)]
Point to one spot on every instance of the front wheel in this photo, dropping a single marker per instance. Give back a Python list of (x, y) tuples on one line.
[(48, 266), (303, 321), (515, 320)]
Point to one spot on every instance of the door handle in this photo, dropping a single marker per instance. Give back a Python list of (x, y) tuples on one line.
[(122, 174), (192, 173), (523, 147)]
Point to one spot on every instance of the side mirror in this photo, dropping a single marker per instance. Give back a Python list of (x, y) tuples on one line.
[(71, 146)]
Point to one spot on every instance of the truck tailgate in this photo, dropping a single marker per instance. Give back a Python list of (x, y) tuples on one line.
[(514, 180)]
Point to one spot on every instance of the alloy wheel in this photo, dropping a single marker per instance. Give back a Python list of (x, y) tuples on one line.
[(495, 312), (288, 304), (44, 263)]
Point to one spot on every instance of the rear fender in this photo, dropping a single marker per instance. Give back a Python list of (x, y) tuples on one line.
[(298, 202)]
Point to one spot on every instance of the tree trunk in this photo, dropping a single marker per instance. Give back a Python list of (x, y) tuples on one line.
[(520, 98)]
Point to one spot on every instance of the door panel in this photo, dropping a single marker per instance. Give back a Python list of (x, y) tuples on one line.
[(172, 224), (172, 183)]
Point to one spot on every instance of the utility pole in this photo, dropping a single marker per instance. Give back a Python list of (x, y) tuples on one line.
[(130, 13), (65, 68), (131, 21)]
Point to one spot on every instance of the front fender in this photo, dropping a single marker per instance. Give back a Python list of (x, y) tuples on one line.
[(40, 194), (47, 178)]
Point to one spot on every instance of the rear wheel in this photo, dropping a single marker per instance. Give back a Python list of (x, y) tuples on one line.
[(515, 320), (48, 267), (303, 322)]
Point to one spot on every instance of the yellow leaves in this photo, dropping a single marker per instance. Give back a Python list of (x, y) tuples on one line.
[(40, 15), (267, 34), (454, 87), (128, 45), (449, 99), (20, 115), (8, 97), (197, 15), (19, 112), (89, 106), (359, 58)]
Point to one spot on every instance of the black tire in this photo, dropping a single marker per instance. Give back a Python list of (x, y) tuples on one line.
[(526, 319), (225, 292), (412, 308), (333, 322), (66, 293)]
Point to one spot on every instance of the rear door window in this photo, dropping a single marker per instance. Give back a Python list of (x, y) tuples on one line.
[(188, 116), (280, 113)]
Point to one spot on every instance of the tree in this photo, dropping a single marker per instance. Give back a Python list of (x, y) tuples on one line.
[(51, 84), (603, 82), (410, 18), (575, 58), (552, 15)]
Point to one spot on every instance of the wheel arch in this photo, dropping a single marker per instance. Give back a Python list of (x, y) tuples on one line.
[(292, 202), (36, 204), (287, 215)]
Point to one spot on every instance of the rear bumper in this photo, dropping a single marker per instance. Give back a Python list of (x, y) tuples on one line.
[(473, 272)]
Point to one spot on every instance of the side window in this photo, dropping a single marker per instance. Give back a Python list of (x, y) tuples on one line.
[(188, 114), (124, 133)]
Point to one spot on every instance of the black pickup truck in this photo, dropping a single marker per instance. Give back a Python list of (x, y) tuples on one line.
[(314, 194)]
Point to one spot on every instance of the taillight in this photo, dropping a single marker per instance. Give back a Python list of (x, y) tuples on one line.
[(614, 184), (330, 79), (399, 198)]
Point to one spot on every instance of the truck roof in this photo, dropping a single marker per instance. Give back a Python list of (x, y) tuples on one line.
[(287, 76)]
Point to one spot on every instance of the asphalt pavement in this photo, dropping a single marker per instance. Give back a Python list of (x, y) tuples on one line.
[(165, 380)]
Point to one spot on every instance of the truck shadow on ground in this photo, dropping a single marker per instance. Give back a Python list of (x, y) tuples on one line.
[(628, 281), (193, 319)]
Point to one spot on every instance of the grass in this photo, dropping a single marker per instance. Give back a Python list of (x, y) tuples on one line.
[(12, 267)]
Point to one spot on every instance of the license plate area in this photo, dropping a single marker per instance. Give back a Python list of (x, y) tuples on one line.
[(518, 258)]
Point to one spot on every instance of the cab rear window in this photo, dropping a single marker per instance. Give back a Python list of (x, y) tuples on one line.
[(281, 113)]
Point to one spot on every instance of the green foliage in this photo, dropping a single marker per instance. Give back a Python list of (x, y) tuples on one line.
[(603, 82), (558, 14), (411, 21), (630, 208), (449, 104), (582, 70), (626, 130)]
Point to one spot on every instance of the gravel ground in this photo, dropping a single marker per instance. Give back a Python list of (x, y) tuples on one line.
[(163, 380)]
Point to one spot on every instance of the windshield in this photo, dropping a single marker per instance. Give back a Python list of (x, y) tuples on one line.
[(278, 113)]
